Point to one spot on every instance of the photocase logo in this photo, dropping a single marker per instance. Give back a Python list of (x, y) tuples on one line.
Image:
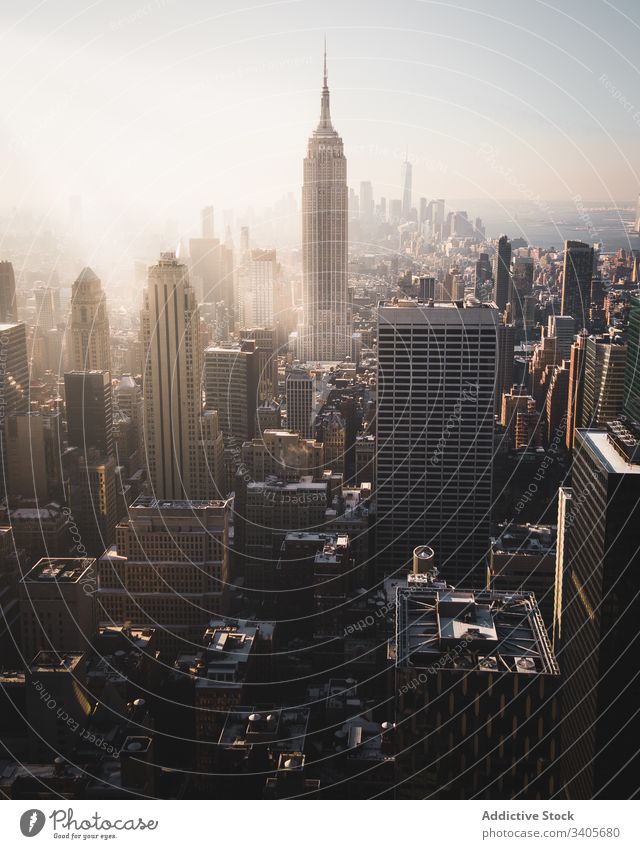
[(32, 822)]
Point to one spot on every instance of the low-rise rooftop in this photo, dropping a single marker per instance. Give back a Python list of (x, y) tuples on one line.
[(59, 570)]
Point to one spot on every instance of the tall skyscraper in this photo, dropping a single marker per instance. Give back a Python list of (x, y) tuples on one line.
[(258, 290), (366, 201), (504, 363), (267, 360), (576, 386), (47, 306), (522, 288), (324, 333), (565, 505), (8, 308), (604, 369), (632, 368), (600, 694), (208, 230), (406, 174), (33, 449), (170, 330), (14, 369), (563, 330), (127, 400), (556, 404), (576, 282), (231, 387), (436, 377), (89, 409), (89, 326), (95, 501), (502, 273), (300, 402)]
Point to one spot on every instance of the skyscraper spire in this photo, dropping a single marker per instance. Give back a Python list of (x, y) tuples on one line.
[(325, 113), (325, 61), (324, 333)]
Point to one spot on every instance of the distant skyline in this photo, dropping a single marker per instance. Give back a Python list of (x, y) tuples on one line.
[(162, 108)]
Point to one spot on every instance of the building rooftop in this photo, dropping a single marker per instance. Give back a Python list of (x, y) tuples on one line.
[(608, 454), (525, 539), (282, 730), (624, 435), (67, 570), (460, 630), (411, 303), (150, 502), (49, 661)]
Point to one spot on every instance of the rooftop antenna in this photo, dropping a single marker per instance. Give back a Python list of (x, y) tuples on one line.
[(325, 59)]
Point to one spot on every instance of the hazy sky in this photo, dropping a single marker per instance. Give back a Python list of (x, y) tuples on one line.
[(162, 106)]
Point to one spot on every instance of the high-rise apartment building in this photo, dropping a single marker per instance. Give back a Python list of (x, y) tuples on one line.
[(300, 391), (604, 370), (324, 333), (231, 388), (563, 329), (502, 273), (576, 282), (576, 386), (89, 338), (632, 368), (556, 405), (8, 307), (435, 420), (516, 404), (170, 330), (504, 362), (169, 566), (601, 696)]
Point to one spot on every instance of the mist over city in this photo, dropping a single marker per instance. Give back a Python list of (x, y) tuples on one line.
[(319, 413)]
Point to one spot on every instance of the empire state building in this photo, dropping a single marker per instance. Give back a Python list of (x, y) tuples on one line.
[(324, 332)]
